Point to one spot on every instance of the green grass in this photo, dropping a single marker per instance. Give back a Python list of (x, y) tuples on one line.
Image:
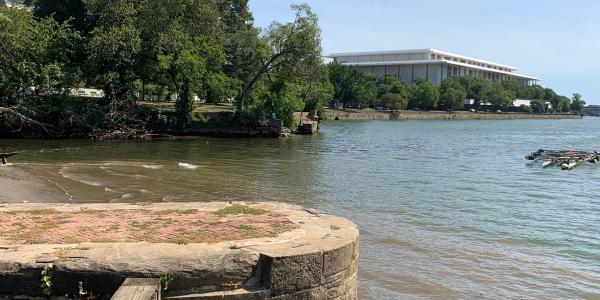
[(190, 211), (246, 227), (239, 210), (335, 227)]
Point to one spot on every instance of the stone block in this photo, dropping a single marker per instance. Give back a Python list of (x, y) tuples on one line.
[(288, 274), (345, 289), (339, 259), (318, 293)]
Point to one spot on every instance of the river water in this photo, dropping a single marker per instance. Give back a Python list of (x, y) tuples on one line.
[(447, 209)]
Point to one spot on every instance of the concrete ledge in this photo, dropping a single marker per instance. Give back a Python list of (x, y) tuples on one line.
[(313, 257)]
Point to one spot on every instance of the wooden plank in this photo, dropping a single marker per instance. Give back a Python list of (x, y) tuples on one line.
[(138, 289)]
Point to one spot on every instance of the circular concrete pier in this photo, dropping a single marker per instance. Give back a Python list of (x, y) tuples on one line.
[(208, 250)]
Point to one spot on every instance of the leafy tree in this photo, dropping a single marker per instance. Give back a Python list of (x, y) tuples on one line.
[(34, 54), (497, 96), (285, 47), (393, 101), (62, 11), (452, 94), (351, 86), (424, 94), (538, 106), (565, 104), (577, 103), (35, 62), (526, 109), (282, 101), (474, 86)]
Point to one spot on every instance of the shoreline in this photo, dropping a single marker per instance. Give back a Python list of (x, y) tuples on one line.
[(345, 115), (18, 185)]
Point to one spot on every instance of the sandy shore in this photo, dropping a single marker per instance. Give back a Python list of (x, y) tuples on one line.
[(17, 185)]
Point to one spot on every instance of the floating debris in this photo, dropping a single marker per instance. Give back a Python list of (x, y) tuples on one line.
[(566, 159), (4, 156)]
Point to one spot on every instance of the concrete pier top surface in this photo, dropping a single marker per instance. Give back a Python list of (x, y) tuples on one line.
[(219, 249)]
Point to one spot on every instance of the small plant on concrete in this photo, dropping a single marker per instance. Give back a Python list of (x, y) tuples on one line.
[(335, 227), (46, 280), (239, 210), (165, 280), (247, 227)]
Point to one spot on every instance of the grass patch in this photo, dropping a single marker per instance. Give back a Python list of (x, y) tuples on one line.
[(335, 227), (190, 211), (276, 225), (239, 210), (246, 227), (44, 211)]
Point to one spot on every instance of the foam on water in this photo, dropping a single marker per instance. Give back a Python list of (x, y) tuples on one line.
[(152, 167), (82, 179), (187, 166)]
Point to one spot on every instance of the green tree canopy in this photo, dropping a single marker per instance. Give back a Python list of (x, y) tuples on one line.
[(452, 94), (577, 103), (424, 94)]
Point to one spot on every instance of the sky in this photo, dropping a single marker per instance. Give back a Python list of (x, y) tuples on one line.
[(555, 40)]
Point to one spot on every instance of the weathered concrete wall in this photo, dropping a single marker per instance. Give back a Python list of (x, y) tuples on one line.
[(355, 116), (316, 260)]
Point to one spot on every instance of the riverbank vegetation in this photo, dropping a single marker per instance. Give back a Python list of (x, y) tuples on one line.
[(187, 51), (122, 68), (356, 89)]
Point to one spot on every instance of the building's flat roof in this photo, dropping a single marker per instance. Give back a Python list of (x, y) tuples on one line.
[(437, 61), (332, 55)]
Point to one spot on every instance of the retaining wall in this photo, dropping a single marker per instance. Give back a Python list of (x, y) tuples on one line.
[(355, 116)]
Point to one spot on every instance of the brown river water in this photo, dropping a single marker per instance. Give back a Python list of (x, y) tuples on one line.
[(447, 209)]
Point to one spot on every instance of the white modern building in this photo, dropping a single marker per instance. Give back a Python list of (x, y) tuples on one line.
[(430, 64)]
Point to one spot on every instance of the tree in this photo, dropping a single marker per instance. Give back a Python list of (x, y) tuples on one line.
[(565, 104), (577, 103), (498, 96), (62, 11), (526, 109), (285, 47), (393, 101), (538, 106), (474, 86), (35, 60), (424, 94), (452, 94), (350, 85)]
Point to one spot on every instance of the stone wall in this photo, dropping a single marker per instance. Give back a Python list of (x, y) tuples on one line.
[(315, 258), (355, 116)]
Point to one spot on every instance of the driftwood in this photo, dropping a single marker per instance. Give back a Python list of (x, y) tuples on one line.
[(4, 156), (566, 159)]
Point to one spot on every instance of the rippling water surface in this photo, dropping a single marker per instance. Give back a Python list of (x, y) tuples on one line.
[(447, 209)]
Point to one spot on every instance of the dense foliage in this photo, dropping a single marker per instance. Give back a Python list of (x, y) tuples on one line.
[(357, 89), (192, 51)]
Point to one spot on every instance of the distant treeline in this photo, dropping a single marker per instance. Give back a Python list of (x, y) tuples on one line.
[(354, 88), (153, 49)]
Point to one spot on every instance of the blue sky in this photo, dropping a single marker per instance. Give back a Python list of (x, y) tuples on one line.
[(555, 40)]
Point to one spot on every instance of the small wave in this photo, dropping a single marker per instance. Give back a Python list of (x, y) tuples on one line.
[(66, 175), (187, 166), (128, 195), (153, 167)]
